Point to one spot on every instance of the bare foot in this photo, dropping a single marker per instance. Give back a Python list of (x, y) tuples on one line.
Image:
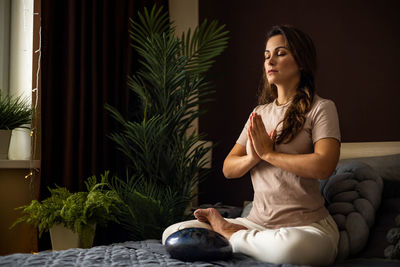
[(217, 222)]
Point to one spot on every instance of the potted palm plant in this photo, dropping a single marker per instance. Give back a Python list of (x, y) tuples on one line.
[(15, 112), (71, 218), (165, 160)]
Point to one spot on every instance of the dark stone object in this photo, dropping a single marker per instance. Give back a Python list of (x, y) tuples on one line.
[(198, 244)]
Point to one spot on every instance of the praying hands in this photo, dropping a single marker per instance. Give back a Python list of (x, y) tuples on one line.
[(261, 141)]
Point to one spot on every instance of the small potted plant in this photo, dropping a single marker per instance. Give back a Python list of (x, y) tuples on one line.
[(76, 214), (15, 112)]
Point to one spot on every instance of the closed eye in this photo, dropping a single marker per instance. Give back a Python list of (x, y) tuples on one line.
[(279, 54)]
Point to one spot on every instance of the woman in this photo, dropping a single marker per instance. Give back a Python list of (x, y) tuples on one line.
[(290, 141)]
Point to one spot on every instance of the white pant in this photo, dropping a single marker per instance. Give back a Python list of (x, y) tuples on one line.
[(314, 244)]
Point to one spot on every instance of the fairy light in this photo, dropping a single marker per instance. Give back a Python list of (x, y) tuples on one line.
[(35, 93), (30, 174), (39, 50)]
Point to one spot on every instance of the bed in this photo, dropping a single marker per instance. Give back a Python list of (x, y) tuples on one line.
[(383, 157)]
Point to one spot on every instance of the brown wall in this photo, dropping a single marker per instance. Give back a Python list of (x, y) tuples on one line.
[(15, 191), (358, 46)]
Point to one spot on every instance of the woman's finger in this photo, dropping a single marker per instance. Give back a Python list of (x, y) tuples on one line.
[(259, 125), (273, 135)]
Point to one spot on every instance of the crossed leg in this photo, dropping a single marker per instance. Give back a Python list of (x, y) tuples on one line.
[(217, 222), (315, 244)]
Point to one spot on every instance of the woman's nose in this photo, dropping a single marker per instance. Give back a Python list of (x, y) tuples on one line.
[(271, 61)]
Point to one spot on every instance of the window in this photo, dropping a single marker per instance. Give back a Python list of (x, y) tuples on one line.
[(16, 63)]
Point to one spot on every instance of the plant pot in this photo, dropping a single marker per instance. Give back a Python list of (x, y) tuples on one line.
[(20, 144), (5, 137), (64, 238)]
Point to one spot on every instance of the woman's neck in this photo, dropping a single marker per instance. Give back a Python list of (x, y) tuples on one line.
[(285, 94)]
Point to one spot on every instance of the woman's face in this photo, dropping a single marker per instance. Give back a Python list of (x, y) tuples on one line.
[(280, 66)]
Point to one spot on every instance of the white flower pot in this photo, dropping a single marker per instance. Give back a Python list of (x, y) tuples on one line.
[(5, 137), (63, 238), (20, 144)]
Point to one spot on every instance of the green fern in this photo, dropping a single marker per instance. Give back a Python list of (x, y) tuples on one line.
[(165, 162), (76, 211)]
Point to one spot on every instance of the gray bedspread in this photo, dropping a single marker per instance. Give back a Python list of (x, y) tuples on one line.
[(148, 253), (353, 194)]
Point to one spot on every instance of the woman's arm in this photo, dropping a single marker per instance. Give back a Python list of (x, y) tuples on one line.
[(319, 164), (238, 162)]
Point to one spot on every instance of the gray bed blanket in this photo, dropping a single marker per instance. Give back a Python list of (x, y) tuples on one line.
[(148, 253), (353, 195)]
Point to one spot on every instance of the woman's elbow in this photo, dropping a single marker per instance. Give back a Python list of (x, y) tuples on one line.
[(327, 152), (230, 173), (325, 173), (323, 176)]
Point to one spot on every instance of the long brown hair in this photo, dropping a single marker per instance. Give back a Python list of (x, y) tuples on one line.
[(303, 51)]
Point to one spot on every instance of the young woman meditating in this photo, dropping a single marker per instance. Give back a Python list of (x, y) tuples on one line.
[(290, 141)]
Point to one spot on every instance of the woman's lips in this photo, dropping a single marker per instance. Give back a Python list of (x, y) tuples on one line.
[(271, 71)]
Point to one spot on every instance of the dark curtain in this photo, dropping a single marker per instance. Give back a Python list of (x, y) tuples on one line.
[(86, 57), (85, 63)]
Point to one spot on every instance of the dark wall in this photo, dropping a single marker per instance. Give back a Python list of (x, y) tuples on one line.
[(358, 46)]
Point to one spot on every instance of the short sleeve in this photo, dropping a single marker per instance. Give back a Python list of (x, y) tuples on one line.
[(242, 140), (325, 121)]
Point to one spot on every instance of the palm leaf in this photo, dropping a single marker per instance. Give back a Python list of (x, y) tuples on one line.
[(207, 42), (165, 162)]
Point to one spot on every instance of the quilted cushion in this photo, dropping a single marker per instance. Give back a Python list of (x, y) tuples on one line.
[(353, 195)]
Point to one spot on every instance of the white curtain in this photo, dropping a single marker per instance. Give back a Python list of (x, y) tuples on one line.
[(20, 44), (5, 10)]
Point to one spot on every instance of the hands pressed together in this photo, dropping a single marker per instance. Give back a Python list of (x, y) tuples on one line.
[(318, 164), (261, 141)]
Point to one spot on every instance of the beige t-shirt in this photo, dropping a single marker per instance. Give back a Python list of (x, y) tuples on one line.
[(281, 198)]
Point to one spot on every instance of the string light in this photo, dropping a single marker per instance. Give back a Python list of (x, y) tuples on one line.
[(30, 174), (35, 92), (39, 50)]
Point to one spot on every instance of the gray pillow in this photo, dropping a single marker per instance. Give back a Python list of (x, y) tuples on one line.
[(387, 167), (246, 209)]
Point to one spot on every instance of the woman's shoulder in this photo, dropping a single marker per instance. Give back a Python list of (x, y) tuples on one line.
[(320, 102), (322, 105)]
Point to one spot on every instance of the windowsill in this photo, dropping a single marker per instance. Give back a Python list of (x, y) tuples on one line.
[(19, 164)]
